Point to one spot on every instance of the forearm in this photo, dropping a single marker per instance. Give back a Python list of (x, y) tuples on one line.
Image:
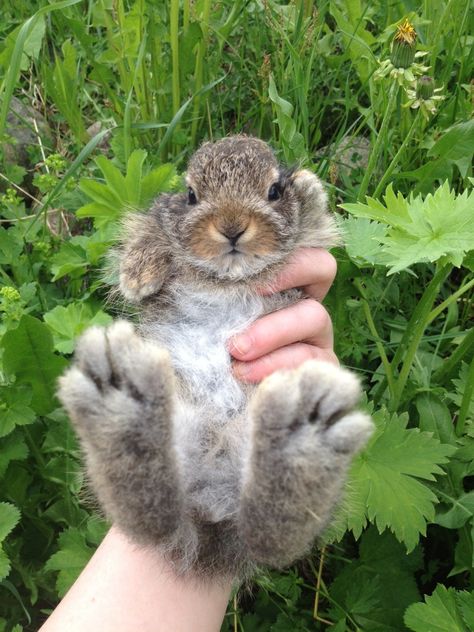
[(125, 588)]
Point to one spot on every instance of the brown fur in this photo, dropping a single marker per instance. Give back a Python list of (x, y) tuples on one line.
[(221, 476)]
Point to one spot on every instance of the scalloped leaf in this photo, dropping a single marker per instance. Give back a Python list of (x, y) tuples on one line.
[(384, 485), (446, 610), (70, 559), (9, 518), (422, 230), (28, 354)]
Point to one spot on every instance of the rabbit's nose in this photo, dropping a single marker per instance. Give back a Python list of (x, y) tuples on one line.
[(233, 235)]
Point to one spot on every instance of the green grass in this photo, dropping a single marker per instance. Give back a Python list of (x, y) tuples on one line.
[(154, 80)]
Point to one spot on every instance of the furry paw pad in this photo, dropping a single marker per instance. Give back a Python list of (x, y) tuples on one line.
[(315, 401), (116, 381)]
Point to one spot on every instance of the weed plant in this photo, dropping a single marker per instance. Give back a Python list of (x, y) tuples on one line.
[(123, 92)]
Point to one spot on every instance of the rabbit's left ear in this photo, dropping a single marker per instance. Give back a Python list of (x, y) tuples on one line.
[(144, 259)]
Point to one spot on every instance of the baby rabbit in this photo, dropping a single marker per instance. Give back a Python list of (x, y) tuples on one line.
[(219, 475)]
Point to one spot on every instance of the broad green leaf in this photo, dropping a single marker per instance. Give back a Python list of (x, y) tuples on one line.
[(9, 518), (461, 511), (113, 177), (134, 177), (73, 555), (163, 178), (120, 194), (456, 145), (12, 448), (16, 414), (384, 485), (15, 408), (465, 602), (362, 239), (96, 530), (97, 244), (440, 226), (100, 212), (288, 586), (28, 354), (10, 246), (292, 140), (33, 44), (284, 107), (70, 260), (102, 195), (394, 213), (376, 588), (31, 47), (441, 612), (435, 417), (67, 323)]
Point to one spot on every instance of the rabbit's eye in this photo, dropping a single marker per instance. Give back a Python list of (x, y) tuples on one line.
[(192, 199), (274, 192)]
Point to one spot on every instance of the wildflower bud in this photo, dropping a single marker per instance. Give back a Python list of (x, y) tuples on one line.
[(9, 293), (425, 87), (404, 46)]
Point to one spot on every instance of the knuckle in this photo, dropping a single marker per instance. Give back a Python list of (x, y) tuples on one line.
[(315, 311), (328, 267)]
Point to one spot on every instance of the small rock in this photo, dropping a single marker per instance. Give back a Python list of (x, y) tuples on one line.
[(21, 129)]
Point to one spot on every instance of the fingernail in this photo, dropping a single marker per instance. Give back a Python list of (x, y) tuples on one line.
[(241, 343), (240, 369)]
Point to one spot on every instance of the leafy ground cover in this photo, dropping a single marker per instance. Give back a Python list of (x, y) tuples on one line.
[(101, 102)]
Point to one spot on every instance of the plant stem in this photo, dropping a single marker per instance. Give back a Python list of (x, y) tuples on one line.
[(415, 330), (396, 158), (451, 299), (199, 68), (186, 14), (466, 400), (174, 41), (318, 583), (455, 358), (398, 356), (378, 341), (379, 143)]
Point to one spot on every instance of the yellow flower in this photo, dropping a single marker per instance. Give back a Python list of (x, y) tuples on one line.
[(404, 46), (401, 65), (405, 33)]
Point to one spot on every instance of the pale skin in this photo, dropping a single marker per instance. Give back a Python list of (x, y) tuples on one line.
[(125, 588)]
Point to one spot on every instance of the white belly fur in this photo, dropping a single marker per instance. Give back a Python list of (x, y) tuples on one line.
[(210, 421)]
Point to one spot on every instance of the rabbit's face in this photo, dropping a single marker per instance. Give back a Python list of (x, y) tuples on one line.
[(241, 217), (240, 214)]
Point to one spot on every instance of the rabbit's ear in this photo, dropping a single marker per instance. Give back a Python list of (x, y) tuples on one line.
[(144, 259)]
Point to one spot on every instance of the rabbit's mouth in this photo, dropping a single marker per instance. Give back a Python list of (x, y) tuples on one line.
[(238, 265)]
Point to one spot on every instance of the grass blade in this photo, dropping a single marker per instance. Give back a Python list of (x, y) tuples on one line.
[(11, 77)]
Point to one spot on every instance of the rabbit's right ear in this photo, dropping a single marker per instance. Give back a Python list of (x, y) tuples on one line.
[(144, 258)]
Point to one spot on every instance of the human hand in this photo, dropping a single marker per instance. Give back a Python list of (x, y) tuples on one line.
[(287, 338)]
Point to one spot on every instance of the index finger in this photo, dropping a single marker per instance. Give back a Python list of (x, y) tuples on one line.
[(312, 269)]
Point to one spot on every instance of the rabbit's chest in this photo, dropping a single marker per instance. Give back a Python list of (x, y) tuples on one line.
[(196, 333)]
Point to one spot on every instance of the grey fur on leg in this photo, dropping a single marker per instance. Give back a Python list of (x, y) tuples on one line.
[(119, 396), (305, 434)]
